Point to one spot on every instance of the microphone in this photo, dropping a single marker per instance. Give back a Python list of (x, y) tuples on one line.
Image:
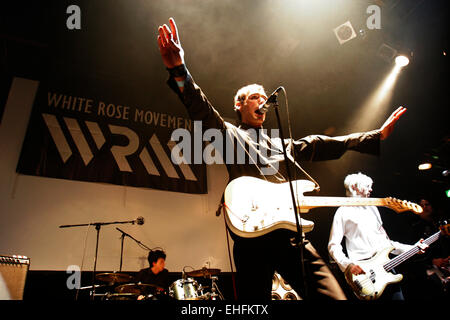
[(139, 221), (270, 101)]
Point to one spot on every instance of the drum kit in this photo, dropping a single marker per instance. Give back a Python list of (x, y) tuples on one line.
[(122, 286), (188, 288)]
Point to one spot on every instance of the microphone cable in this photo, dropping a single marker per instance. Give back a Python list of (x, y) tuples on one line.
[(82, 259)]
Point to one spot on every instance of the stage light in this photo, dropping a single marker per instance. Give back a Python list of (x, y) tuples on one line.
[(401, 61), (447, 192), (344, 32), (378, 102), (425, 166), (387, 53)]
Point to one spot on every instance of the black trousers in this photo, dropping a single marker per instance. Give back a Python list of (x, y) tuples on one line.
[(256, 260)]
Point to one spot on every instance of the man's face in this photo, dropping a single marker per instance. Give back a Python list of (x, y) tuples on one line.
[(159, 265), (363, 190), (427, 209), (250, 106)]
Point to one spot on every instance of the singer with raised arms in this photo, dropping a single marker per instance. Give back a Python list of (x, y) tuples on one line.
[(257, 258)]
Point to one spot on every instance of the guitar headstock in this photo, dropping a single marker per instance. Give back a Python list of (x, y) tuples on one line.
[(402, 205), (445, 227)]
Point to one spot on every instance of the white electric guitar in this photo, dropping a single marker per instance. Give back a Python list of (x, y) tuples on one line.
[(371, 284), (254, 207)]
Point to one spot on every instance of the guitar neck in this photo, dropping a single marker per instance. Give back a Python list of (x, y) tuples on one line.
[(314, 202), (408, 254)]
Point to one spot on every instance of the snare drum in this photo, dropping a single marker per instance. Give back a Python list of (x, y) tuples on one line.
[(184, 289)]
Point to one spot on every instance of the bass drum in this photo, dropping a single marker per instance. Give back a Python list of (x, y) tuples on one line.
[(184, 289)]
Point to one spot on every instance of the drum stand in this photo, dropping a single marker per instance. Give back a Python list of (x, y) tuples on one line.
[(215, 288), (207, 274)]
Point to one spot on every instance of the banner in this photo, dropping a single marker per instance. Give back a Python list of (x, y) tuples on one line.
[(80, 130)]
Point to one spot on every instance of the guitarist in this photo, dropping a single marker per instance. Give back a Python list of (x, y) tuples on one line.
[(256, 259), (428, 272), (364, 234)]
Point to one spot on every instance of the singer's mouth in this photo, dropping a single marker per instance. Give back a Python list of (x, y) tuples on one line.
[(258, 112)]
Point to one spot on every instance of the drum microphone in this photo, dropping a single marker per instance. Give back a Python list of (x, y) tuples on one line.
[(270, 101), (183, 274)]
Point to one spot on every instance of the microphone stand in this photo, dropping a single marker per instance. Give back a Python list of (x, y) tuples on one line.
[(97, 225), (124, 234), (299, 237)]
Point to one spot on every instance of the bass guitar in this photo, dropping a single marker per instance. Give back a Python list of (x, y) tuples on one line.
[(371, 284)]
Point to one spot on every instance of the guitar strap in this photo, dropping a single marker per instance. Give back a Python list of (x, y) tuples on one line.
[(288, 149)]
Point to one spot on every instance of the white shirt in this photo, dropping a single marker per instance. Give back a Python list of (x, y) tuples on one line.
[(364, 235)]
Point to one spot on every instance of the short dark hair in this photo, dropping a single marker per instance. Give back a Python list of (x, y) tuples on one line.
[(154, 255)]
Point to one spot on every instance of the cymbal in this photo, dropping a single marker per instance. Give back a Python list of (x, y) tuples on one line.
[(140, 288), (95, 286), (114, 277), (204, 272)]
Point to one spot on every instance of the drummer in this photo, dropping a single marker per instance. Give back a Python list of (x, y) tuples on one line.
[(156, 274)]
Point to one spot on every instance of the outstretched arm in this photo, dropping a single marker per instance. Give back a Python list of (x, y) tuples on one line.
[(319, 147), (388, 126)]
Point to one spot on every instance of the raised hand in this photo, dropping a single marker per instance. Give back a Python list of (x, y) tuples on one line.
[(169, 45), (388, 126)]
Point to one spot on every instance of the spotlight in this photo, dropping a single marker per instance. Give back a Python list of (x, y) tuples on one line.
[(387, 53), (401, 61), (425, 166), (344, 32)]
